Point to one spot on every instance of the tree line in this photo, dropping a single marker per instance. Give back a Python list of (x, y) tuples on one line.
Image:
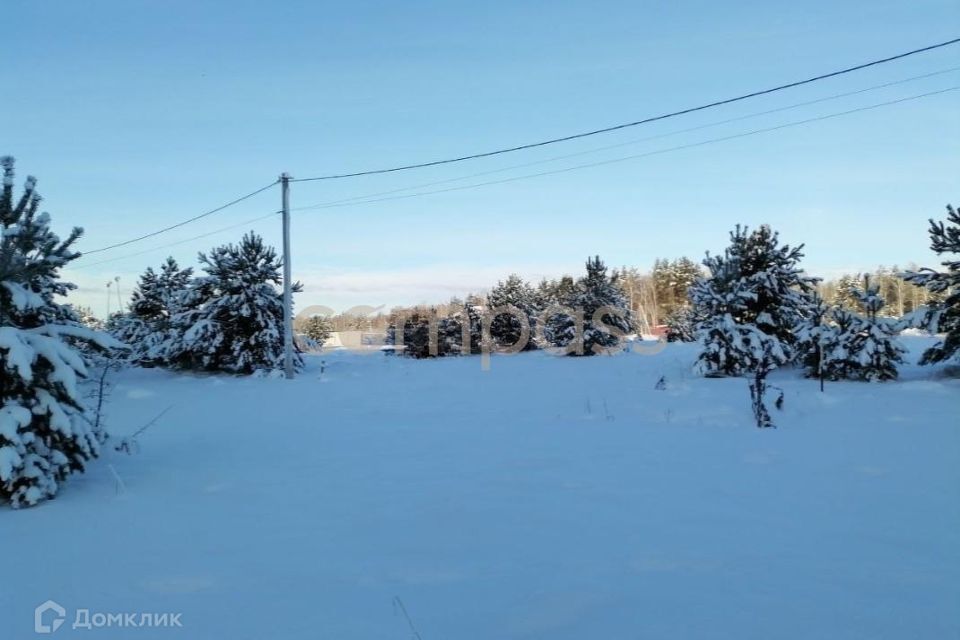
[(585, 316)]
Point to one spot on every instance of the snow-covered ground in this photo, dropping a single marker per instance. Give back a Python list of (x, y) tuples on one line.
[(548, 497)]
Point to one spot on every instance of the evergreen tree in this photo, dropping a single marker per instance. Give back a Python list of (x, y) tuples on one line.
[(416, 336), (84, 315), (942, 316), (816, 337), (681, 324), (750, 305), (838, 338), (593, 294), (684, 273), (317, 329), (419, 325), (146, 300), (847, 294), (231, 319), (171, 284), (451, 329), (852, 346), (874, 348), (662, 289), (886, 281), (45, 428), (555, 291), (506, 329), (147, 325), (672, 281)]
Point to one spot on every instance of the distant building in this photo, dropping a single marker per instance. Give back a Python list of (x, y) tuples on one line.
[(355, 340)]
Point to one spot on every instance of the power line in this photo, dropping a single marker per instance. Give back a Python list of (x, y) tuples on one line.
[(650, 153), (180, 224), (527, 146), (346, 201), (673, 114), (179, 242)]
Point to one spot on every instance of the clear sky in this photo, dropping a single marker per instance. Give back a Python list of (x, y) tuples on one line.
[(135, 115)]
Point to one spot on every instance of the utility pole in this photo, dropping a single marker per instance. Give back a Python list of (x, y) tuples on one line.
[(108, 298), (119, 298), (287, 293)]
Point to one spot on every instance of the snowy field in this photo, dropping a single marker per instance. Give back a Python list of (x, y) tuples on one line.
[(548, 497)]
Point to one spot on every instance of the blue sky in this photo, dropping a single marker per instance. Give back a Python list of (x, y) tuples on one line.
[(135, 115)]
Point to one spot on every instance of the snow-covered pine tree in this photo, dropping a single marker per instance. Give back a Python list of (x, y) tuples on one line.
[(418, 325), (671, 280), (84, 316), (172, 284), (231, 319), (817, 338), (506, 329), (135, 327), (146, 301), (874, 347), (942, 316), (681, 324), (45, 431), (732, 345), (852, 346), (416, 336), (847, 294), (317, 329), (466, 320), (751, 304), (838, 361), (147, 325), (554, 291), (594, 293)]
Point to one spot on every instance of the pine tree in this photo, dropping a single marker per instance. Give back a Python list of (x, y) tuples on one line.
[(147, 325), (146, 301), (45, 428), (839, 362), (847, 294), (231, 319), (506, 329), (423, 333), (593, 295), (816, 337), (672, 281), (875, 348), (84, 315), (554, 291), (942, 316), (465, 320), (750, 305), (137, 327), (849, 345), (317, 329), (681, 324)]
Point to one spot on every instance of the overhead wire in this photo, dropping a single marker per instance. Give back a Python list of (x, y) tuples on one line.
[(664, 116), (649, 153), (357, 200), (182, 223), (329, 203), (177, 243)]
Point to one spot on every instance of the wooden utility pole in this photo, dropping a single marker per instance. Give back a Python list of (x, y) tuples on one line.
[(287, 285)]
